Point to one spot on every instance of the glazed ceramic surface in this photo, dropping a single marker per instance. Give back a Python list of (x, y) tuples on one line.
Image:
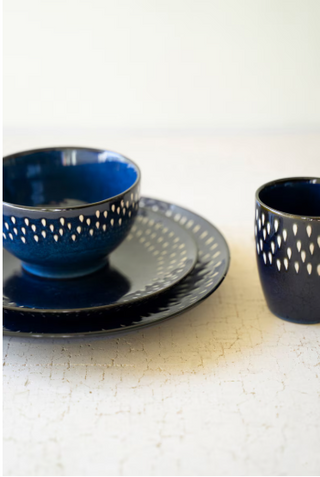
[(287, 230), (66, 209), (155, 255), (209, 271)]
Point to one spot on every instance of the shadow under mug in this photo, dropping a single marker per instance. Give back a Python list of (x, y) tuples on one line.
[(287, 232)]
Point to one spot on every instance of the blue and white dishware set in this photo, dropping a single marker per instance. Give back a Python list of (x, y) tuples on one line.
[(84, 254)]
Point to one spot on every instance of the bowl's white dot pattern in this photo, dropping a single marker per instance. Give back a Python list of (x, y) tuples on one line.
[(45, 229), (293, 247)]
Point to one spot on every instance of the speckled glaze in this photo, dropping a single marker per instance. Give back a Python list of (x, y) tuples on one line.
[(66, 209), (287, 231)]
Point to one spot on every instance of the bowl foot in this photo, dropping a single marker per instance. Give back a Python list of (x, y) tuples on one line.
[(64, 272)]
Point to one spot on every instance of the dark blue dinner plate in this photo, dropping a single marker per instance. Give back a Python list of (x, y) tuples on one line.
[(135, 289)]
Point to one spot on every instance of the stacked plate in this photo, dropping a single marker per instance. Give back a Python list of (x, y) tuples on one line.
[(170, 261)]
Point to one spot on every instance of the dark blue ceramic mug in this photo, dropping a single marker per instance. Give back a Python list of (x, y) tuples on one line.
[(287, 231), (66, 208)]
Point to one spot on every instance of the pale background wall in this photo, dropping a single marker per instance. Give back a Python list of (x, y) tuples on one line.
[(217, 64)]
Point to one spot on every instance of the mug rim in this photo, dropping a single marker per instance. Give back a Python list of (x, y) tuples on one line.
[(21, 207), (280, 212)]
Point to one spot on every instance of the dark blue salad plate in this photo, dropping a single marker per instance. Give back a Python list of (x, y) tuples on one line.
[(171, 260)]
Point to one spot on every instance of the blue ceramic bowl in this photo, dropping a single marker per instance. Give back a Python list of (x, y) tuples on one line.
[(287, 229), (65, 209)]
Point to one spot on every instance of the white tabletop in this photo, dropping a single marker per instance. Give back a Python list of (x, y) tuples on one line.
[(226, 388)]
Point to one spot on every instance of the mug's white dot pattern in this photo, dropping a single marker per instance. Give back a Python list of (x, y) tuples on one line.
[(305, 244)]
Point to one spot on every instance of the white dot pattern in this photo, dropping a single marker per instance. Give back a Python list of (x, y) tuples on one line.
[(295, 246), (59, 230), (156, 237)]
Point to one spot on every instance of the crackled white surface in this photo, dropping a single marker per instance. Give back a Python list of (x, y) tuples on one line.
[(224, 389)]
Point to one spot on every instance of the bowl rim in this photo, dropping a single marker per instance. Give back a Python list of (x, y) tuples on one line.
[(21, 207), (281, 213)]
